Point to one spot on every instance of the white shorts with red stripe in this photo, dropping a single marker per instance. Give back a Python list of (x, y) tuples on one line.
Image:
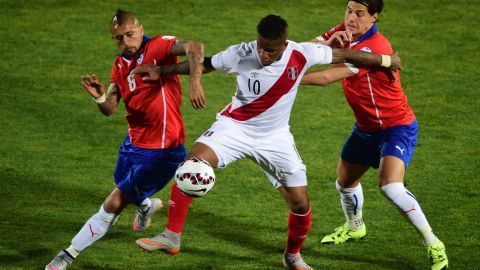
[(275, 153)]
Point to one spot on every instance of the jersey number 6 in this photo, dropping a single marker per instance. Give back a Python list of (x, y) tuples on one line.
[(131, 82)]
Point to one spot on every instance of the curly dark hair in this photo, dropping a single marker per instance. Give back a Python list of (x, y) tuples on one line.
[(273, 27)]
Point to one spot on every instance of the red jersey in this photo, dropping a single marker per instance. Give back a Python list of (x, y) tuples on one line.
[(153, 108), (377, 102)]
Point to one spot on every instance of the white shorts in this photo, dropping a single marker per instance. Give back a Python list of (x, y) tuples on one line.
[(275, 153)]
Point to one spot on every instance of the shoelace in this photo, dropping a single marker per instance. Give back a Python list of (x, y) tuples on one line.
[(143, 214), (63, 258), (435, 254), (340, 231)]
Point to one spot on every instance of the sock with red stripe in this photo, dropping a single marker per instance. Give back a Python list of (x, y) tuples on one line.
[(94, 229), (409, 207)]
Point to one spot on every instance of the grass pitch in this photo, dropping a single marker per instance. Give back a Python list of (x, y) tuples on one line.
[(58, 153)]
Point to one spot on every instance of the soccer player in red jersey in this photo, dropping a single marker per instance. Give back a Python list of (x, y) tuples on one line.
[(385, 132), (153, 147), (255, 125)]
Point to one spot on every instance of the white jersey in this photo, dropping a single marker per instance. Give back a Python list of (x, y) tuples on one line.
[(265, 94)]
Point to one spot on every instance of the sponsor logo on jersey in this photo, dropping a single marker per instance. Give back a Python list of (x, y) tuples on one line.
[(168, 37), (140, 59), (292, 73), (254, 74)]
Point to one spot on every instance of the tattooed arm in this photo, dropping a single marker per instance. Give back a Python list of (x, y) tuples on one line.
[(109, 107), (194, 52), (366, 59), (195, 65), (106, 103), (152, 72)]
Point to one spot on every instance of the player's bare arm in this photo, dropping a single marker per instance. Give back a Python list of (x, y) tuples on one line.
[(337, 40), (152, 72), (109, 107), (194, 52), (107, 103), (335, 73), (360, 58)]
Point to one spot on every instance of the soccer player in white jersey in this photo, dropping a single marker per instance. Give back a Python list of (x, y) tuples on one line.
[(256, 124)]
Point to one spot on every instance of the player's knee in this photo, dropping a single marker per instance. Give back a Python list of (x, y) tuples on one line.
[(386, 180), (300, 207), (115, 202), (339, 185), (347, 181), (393, 191), (203, 152)]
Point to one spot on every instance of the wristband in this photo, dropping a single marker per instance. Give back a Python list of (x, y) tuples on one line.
[(386, 61), (101, 99)]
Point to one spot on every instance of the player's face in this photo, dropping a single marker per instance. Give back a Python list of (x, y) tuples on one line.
[(357, 19), (128, 37), (270, 51)]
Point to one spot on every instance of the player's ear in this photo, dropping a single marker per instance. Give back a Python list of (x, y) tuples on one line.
[(374, 17), (141, 29)]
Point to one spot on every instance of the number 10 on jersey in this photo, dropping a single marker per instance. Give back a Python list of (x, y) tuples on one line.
[(254, 86)]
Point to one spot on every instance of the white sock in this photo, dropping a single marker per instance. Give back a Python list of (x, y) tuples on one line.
[(408, 205), (145, 205), (94, 229), (352, 204), (71, 250)]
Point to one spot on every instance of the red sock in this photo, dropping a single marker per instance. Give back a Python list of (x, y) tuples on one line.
[(298, 227), (177, 209)]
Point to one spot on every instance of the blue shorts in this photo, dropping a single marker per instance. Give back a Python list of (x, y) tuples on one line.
[(141, 173), (367, 149)]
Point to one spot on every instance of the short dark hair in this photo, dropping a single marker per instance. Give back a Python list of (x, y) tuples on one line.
[(273, 27), (373, 6)]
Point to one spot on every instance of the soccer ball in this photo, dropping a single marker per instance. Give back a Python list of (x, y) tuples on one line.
[(195, 177)]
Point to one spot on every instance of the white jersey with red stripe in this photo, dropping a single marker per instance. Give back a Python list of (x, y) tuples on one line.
[(265, 94)]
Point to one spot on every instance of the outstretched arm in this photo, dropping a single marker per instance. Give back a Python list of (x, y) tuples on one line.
[(107, 103), (366, 59), (194, 67), (152, 72), (194, 52), (325, 77)]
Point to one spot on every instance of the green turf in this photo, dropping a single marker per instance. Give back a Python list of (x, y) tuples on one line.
[(58, 152)]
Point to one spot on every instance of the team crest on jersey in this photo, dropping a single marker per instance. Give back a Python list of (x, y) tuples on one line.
[(366, 49), (140, 59), (292, 73)]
